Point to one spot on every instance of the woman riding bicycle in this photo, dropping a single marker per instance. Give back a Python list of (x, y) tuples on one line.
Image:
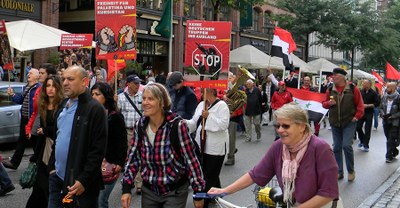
[(304, 164)]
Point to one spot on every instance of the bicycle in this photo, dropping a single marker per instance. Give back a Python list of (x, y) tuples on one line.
[(269, 196), (218, 200)]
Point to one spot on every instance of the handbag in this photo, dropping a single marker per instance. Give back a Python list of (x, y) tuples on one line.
[(28, 177), (108, 172)]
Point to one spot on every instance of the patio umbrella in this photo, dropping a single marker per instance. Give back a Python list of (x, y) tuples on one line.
[(26, 35), (321, 64), (252, 58)]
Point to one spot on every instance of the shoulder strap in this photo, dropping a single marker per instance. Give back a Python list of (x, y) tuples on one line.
[(174, 138), (132, 103)]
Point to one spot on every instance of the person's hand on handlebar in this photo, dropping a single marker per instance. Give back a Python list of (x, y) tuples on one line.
[(216, 191)]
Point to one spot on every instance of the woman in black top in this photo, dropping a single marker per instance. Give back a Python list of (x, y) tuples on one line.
[(116, 142), (50, 97)]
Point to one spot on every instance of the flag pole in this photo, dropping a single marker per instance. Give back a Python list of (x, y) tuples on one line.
[(170, 40), (116, 78)]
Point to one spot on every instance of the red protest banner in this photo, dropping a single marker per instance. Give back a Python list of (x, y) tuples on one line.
[(115, 29), (5, 49), (70, 41), (207, 53)]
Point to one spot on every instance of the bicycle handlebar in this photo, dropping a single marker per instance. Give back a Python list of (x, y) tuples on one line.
[(203, 195)]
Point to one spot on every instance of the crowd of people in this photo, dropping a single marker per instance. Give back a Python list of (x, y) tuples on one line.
[(164, 136)]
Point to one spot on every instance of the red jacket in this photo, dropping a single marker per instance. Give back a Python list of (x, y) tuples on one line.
[(280, 99)]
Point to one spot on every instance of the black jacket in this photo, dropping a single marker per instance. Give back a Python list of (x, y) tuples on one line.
[(117, 146), (87, 146)]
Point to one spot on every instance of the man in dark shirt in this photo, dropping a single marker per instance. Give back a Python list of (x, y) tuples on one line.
[(184, 101), (253, 110), (371, 100)]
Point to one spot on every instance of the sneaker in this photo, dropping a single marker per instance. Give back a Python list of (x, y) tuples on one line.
[(248, 140), (3, 192), (365, 149), (340, 176), (375, 129), (230, 162), (265, 124), (329, 128), (360, 146), (8, 164), (351, 176), (389, 160)]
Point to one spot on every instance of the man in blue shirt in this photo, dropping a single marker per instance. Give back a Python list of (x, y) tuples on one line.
[(81, 136)]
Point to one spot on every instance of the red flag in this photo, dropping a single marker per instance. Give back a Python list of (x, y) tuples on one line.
[(380, 79), (114, 65), (283, 45), (391, 72)]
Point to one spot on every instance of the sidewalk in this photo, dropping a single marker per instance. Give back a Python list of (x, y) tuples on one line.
[(387, 195)]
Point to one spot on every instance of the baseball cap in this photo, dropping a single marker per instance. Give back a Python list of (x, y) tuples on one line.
[(133, 78), (175, 78), (281, 83)]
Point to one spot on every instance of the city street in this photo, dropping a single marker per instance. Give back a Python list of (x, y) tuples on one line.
[(371, 172)]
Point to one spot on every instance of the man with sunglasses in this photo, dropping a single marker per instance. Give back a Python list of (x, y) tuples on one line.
[(184, 101), (346, 107)]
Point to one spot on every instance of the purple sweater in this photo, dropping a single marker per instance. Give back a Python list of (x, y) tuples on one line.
[(316, 175)]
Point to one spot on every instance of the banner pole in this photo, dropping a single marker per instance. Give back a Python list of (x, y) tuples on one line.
[(170, 39), (116, 78), (203, 121)]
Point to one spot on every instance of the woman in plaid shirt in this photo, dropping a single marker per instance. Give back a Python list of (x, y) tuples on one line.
[(166, 171)]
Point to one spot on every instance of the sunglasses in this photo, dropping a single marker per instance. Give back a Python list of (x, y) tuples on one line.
[(284, 126)]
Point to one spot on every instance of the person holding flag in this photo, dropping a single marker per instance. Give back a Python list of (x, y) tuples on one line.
[(346, 107), (307, 87)]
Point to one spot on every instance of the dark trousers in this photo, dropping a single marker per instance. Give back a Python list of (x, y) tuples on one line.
[(174, 199), (365, 136), (22, 143), (88, 199), (391, 133), (212, 165), (40, 190)]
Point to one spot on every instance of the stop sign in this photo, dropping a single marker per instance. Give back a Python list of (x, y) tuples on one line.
[(207, 60)]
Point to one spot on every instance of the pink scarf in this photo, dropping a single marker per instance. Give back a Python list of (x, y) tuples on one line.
[(289, 167)]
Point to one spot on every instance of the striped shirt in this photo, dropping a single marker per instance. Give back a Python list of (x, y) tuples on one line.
[(159, 164), (131, 116)]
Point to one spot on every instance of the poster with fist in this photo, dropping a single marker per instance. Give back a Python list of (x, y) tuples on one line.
[(115, 29)]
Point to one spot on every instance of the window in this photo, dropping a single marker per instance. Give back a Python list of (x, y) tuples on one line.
[(256, 18), (268, 26), (150, 4), (225, 14), (189, 8), (208, 12), (5, 100)]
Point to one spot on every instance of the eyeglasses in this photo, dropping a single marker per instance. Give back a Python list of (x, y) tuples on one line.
[(284, 126)]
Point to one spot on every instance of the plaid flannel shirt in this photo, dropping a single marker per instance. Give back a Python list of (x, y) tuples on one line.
[(160, 165), (131, 116)]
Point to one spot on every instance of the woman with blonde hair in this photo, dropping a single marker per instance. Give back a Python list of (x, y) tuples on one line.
[(303, 164)]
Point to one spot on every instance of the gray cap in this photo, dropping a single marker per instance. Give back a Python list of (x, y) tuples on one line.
[(175, 78)]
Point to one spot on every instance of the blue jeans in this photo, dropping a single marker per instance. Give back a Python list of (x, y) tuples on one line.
[(343, 141), (55, 188), (376, 117), (88, 199), (105, 194), (5, 181)]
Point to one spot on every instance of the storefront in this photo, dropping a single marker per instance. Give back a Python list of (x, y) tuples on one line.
[(13, 10)]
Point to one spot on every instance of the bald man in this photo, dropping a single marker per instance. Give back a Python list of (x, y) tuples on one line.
[(26, 100), (79, 149)]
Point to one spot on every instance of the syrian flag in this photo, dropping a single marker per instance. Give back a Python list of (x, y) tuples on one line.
[(310, 101), (283, 45)]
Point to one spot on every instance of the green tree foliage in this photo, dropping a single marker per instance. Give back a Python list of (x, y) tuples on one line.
[(387, 47)]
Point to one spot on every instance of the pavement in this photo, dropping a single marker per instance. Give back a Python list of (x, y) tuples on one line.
[(387, 195), (377, 183)]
